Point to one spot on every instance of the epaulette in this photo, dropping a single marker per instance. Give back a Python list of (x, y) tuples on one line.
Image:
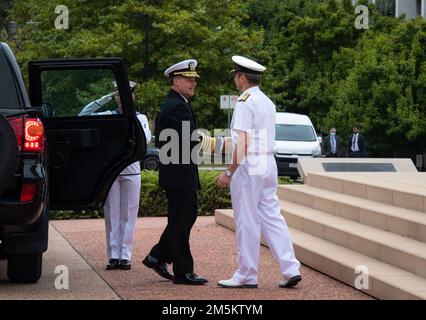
[(244, 97)]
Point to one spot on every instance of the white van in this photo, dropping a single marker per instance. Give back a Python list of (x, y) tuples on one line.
[(295, 137)]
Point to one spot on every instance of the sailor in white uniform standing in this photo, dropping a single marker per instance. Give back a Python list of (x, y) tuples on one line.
[(252, 176), (122, 204)]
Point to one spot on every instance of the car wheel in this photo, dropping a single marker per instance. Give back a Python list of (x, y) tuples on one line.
[(24, 268), (151, 163), (9, 154)]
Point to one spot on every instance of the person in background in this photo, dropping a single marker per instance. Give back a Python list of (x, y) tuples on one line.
[(332, 145), (356, 144), (122, 204)]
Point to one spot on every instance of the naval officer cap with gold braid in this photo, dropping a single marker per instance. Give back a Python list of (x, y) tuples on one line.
[(184, 68), (187, 68)]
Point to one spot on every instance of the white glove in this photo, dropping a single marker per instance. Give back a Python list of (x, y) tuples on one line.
[(105, 99), (207, 144)]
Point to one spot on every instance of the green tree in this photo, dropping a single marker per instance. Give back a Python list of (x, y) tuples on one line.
[(303, 38), (317, 62), (384, 91), (209, 30), (4, 6)]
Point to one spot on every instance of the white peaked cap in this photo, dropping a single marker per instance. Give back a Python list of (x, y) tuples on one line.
[(132, 84), (247, 65)]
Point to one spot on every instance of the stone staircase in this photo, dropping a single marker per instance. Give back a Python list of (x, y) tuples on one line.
[(349, 225)]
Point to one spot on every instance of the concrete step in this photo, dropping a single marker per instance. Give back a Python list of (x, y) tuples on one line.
[(405, 222), (393, 249), (408, 192), (384, 281)]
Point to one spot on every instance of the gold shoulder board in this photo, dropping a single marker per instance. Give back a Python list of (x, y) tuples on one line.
[(244, 97)]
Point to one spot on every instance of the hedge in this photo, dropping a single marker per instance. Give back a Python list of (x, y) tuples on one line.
[(153, 201)]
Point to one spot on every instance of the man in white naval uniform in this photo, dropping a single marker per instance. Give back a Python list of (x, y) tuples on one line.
[(252, 176), (122, 204)]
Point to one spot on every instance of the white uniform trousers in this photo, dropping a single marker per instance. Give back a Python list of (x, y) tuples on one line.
[(257, 211), (121, 211)]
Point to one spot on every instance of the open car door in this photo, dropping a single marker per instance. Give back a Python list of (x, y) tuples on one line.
[(85, 152)]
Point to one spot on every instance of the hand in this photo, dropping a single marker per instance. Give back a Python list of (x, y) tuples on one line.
[(105, 99), (223, 181)]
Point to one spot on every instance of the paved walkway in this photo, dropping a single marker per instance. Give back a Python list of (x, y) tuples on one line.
[(84, 282), (80, 245)]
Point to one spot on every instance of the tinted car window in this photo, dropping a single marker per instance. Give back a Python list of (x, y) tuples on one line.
[(284, 132), (8, 94), (68, 92)]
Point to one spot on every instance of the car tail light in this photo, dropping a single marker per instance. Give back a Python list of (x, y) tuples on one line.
[(29, 133), (28, 192), (33, 135)]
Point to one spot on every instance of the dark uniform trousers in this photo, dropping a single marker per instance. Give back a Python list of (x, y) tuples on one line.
[(181, 183), (174, 242)]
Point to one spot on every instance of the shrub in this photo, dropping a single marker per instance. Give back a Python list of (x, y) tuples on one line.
[(153, 201), (83, 214)]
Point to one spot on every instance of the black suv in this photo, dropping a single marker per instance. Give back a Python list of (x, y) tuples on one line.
[(51, 158)]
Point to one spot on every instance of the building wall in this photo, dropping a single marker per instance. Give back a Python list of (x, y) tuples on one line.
[(407, 7)]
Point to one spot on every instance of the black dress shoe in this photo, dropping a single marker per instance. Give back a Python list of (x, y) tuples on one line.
[(158, 266), (289, 283), (125, 265), (113, 264), (190, 278)]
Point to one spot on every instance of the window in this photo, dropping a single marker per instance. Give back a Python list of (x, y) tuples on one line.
[(8, 93), (386, 7), (290, 132), (80, 92)]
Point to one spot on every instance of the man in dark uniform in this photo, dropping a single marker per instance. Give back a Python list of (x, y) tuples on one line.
[(179, 178)]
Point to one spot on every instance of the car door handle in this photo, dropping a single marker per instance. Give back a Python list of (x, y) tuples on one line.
[(76, 138)]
